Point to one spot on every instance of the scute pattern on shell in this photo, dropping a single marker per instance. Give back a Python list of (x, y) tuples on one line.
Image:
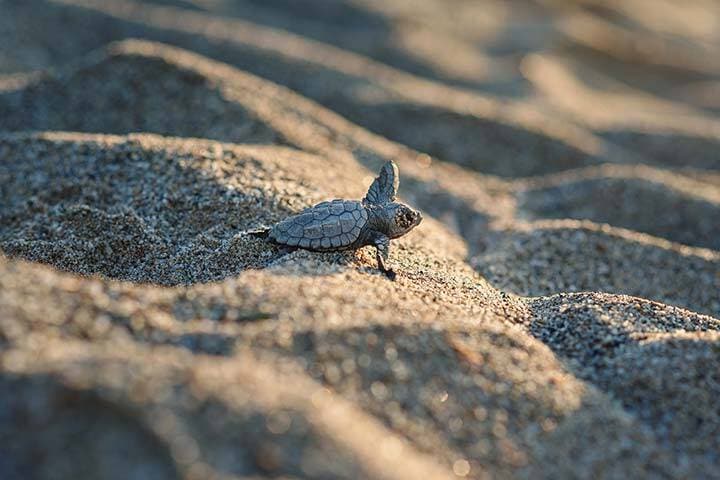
[(328, 225)]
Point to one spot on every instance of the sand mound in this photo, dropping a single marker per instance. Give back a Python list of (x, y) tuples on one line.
[(632, 348), (188, 421), (135, 209), (484, 145), (638, 376), (641, 199), (372, 94), (353, 343), (569, 256), (150, 209), (381, 346), (661, 131), (107, 95), (166, 343)]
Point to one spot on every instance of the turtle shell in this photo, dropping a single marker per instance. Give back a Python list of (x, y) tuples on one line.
[(332, 225)]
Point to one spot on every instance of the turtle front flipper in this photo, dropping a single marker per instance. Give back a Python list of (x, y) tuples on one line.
[(382, 252), (384, 188)]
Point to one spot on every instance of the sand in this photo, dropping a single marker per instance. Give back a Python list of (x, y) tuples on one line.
[(554, 316)]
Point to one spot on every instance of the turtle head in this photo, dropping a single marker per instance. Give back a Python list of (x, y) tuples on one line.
[(401, 219), (395, 218)]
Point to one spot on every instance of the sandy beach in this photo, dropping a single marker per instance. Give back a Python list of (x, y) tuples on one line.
[(555, 315)]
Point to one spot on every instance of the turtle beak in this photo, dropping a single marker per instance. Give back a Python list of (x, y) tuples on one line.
[(418, 218)]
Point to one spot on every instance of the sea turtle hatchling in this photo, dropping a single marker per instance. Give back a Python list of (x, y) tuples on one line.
[(350, 224)]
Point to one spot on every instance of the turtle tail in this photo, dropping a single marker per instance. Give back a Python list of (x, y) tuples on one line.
[(262, 232)]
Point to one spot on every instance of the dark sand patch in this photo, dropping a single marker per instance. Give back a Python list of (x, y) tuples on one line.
[(550, 257), (108, 95), (659, 203)]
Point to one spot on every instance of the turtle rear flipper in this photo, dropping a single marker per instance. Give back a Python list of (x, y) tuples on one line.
[(262, 232)]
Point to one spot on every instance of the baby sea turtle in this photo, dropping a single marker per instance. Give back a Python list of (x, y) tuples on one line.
[(349, 224)]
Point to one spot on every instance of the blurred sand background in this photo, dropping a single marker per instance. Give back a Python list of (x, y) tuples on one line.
[(555, 315)]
